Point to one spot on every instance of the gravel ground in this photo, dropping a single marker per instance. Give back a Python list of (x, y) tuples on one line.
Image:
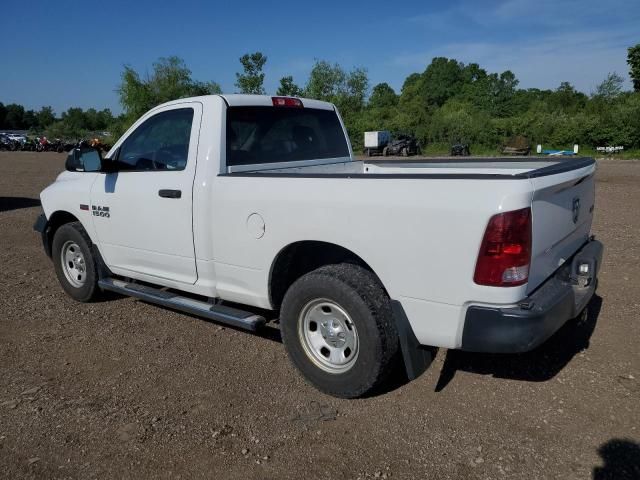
[(123, 389)]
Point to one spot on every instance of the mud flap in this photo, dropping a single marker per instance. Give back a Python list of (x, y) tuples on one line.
[(42, 227), (101, 267), (417, 358)]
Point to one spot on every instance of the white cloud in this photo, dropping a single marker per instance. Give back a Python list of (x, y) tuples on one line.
[(544, 57), (555, 12)]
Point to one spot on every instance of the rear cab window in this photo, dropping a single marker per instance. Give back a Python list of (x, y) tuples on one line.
[(258, 135)]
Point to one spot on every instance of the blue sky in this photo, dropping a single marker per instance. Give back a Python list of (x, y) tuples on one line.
[(68, 53)]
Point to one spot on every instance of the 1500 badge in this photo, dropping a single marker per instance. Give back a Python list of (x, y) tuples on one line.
[(99, 211)]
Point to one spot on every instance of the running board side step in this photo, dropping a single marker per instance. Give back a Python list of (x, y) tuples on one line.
[(219, 313)]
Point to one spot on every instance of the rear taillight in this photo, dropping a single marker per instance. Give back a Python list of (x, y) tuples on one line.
[(505, 253), (286, 102)]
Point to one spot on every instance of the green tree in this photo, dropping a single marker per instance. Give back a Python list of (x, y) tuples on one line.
[(414, 114), (332, 83), (252, 78), (504, 89), (458, 121), (566, 98), (45, 117), (205, 88), (91, 121), (492, 93), (447, 102), (29, 119), (3, 114), (472, 73), (610, 88), (288, 87), (75, 120), (326, 81), (104, 118), (13, 119), (633, 60), (170, 80), (357, 86), (410, 82), (383, 96), (442, 79), (95, 120)]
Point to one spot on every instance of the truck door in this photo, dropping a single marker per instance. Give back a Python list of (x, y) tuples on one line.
[(142, 212)]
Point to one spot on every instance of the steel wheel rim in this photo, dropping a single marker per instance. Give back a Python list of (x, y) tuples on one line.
[(73, 263), (328, 336)]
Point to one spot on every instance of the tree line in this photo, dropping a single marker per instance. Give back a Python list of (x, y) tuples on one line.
[(448, 102), (73, 123)]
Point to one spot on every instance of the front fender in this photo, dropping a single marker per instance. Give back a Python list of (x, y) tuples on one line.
[(47, 226), (68, 199)]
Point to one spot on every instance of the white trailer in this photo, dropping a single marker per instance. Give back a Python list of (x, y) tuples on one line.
[(374, 142)]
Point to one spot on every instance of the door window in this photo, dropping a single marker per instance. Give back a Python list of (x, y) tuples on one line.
[(160, 143)]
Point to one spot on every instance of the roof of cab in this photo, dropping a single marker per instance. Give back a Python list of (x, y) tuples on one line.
[(238, 100), (242, 100)]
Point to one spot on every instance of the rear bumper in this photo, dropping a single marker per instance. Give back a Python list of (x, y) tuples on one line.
[(522, 328)]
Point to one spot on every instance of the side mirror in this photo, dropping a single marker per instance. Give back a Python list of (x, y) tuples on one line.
[(84, 159)]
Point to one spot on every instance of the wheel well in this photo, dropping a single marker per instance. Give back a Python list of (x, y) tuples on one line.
[(299, 258), (56, 220)]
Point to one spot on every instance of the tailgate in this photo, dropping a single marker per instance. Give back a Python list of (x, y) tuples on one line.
[(562, 211)]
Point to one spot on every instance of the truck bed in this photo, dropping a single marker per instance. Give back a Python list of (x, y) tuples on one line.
[(445, 167), (560, 192)]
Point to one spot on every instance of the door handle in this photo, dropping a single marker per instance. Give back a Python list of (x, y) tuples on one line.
[(170, 193)]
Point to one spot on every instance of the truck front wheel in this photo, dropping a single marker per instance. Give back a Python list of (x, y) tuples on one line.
[(338, 329), (74, 263)]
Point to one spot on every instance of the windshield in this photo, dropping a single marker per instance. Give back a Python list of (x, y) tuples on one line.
[(258, 135)]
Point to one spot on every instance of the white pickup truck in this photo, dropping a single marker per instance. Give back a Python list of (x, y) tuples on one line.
[(219, 204)]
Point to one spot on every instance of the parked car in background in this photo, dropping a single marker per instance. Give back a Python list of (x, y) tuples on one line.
[(404, 145), (8, 143), (460, 150), (17, 137)]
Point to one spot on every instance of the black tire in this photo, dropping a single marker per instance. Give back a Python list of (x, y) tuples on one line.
[(75, 233), (385, 152), (359, 293)]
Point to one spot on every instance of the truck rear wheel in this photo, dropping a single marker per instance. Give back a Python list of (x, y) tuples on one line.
[(74, 263), (338, 329)]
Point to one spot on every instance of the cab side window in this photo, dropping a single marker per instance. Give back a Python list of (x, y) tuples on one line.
[(160, 143)]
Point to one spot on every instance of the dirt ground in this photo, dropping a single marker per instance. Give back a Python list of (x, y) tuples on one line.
[(124, 389)]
